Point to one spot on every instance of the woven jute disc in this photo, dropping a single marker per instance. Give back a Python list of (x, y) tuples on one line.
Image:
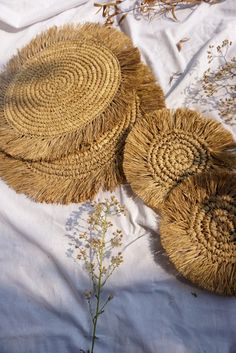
[(167, 146), (68, 86), (198, 230), (76, 177)]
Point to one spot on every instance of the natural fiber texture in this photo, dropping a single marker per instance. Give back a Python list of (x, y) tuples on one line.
[(167, 146), (198, 231), (77, 177), (68, 86), (150, 93)]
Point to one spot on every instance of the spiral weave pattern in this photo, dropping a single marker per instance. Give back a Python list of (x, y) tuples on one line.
[(62, 89), (175, 156), (166, 147), (216, 220), (198, 230)]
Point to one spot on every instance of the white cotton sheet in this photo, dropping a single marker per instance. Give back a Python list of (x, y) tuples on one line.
[(21, 13), (42, 309)]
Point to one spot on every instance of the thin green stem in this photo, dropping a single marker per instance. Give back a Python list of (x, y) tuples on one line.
[(102, 308), (95, 319), (99, 287)]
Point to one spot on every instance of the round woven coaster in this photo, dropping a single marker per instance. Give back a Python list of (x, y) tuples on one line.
[(68, 86), (167, 146), (76, 177), (198, 230)]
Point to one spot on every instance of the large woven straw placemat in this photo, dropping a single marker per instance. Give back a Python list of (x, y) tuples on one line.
[(167, 146), (68, 86), (78, 176), (198, 230)]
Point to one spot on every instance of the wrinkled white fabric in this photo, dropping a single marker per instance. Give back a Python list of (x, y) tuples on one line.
[(21, 13), (42, 309)]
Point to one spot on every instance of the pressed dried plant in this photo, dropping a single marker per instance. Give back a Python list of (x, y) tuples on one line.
[(98, 249), (174, 77), (221, 82), (153, 8), (109, 10), (146, 8), (216, 88), (181, 42)]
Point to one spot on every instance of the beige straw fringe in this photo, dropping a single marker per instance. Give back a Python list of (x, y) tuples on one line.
[(150, 93), (75, 178)]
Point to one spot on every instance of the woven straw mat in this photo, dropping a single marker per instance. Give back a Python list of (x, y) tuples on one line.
[(167, 146), (198, 230), (77, 177), (67, 87)]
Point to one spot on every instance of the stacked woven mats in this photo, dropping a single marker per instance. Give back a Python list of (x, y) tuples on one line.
[(80, 112)]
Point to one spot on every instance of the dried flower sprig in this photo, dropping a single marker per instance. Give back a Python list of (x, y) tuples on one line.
[(99, 251), (216, 89), (146, 8), (153, 8), (222, 81), (110, 10)]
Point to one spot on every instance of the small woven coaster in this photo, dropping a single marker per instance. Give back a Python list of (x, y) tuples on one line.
[(166, 147), (198, 230), (76, 177), (67, 87)]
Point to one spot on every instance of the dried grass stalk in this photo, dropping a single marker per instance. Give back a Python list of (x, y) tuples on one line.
[(147, 8)]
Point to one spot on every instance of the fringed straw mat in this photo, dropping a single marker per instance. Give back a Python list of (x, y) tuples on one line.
[(167, 146), (198, 231), (77, 177), (68, 86)]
